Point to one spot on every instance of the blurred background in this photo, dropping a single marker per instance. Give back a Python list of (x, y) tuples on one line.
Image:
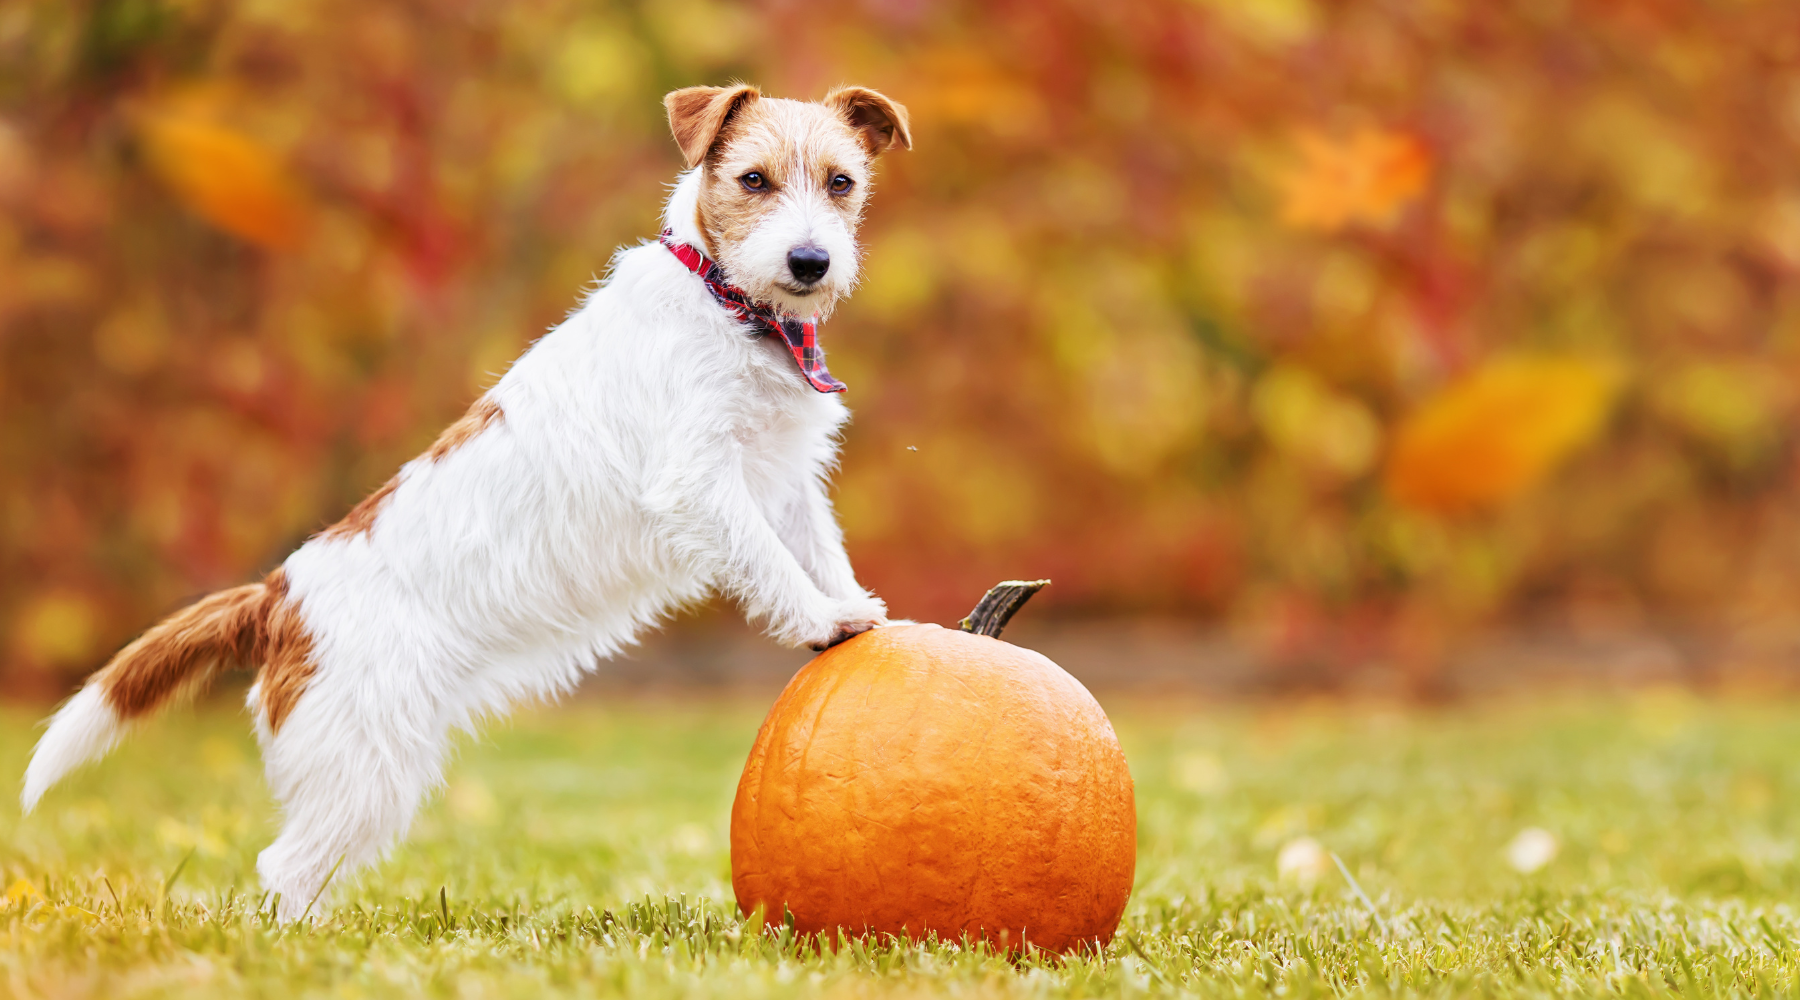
[(1400, 346)]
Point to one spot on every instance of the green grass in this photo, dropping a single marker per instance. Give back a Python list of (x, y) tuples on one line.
[(583, 852)]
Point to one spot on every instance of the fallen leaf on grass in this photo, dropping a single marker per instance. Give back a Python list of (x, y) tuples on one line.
[(21, 891)]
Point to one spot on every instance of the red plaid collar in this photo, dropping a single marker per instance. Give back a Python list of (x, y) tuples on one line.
[(801, 336)]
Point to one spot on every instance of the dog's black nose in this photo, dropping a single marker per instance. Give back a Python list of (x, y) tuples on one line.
[(809, 264)]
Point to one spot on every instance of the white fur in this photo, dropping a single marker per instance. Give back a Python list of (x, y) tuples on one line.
[(84, 729), (651, 452)]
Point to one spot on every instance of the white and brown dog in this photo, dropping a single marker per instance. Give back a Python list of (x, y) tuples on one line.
[(670, 440)]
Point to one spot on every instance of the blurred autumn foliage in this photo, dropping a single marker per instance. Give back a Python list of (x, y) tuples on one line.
[(1352, 325)]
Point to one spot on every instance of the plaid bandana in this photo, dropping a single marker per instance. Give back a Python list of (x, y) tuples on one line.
[(801, 336)]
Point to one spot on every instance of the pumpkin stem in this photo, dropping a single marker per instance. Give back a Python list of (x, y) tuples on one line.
[(1000, 604)]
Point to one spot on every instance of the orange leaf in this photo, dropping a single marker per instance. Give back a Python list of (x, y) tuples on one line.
[(1367, 178), (1498, 432), (227, 178)]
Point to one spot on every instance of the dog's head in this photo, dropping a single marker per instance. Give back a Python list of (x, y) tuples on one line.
[(783, 184)]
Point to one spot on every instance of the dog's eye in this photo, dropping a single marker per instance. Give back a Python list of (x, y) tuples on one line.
[(754, 181), (841, 184)]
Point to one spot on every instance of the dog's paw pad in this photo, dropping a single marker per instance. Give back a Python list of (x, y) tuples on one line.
[(844, 631)]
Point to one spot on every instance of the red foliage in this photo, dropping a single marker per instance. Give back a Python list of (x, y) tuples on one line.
[(1147, 310)]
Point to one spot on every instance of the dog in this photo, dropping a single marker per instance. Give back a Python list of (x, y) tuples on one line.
[(670, 440)]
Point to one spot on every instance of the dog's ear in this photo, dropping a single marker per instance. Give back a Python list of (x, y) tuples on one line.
[(698, 114), (880, 122)]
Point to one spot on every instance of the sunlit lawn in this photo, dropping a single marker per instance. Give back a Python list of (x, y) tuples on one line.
[(582, 852)]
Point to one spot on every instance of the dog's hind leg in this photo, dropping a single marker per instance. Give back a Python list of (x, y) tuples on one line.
[(349, 767)]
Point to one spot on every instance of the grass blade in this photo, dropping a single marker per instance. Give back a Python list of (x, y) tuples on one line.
[(1360, 894)]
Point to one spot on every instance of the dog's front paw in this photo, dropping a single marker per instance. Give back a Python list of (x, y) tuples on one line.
[(853, 618)]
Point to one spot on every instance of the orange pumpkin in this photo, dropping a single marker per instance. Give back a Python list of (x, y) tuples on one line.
[(917, 780)]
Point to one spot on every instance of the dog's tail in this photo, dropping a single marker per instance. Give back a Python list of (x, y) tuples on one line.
[(176, 658)]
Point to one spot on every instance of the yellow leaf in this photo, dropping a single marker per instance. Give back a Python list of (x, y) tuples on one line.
[(22, 891), (1366, 178), (87, 917), (227, 178), (1498, 432)]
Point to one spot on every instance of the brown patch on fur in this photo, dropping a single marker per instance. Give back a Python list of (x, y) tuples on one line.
[(881, 123), (180, 655), (697, 114), (792, 144), (253, 625), (482, 414), (287, 662), (183, 651), (361, 519)]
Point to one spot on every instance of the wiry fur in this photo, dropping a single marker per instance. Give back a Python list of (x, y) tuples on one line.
[(799, 147), (176, 658), (642, 455)]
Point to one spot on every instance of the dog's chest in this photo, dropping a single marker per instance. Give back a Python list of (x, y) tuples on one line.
[(770, 427), (785, 431)]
